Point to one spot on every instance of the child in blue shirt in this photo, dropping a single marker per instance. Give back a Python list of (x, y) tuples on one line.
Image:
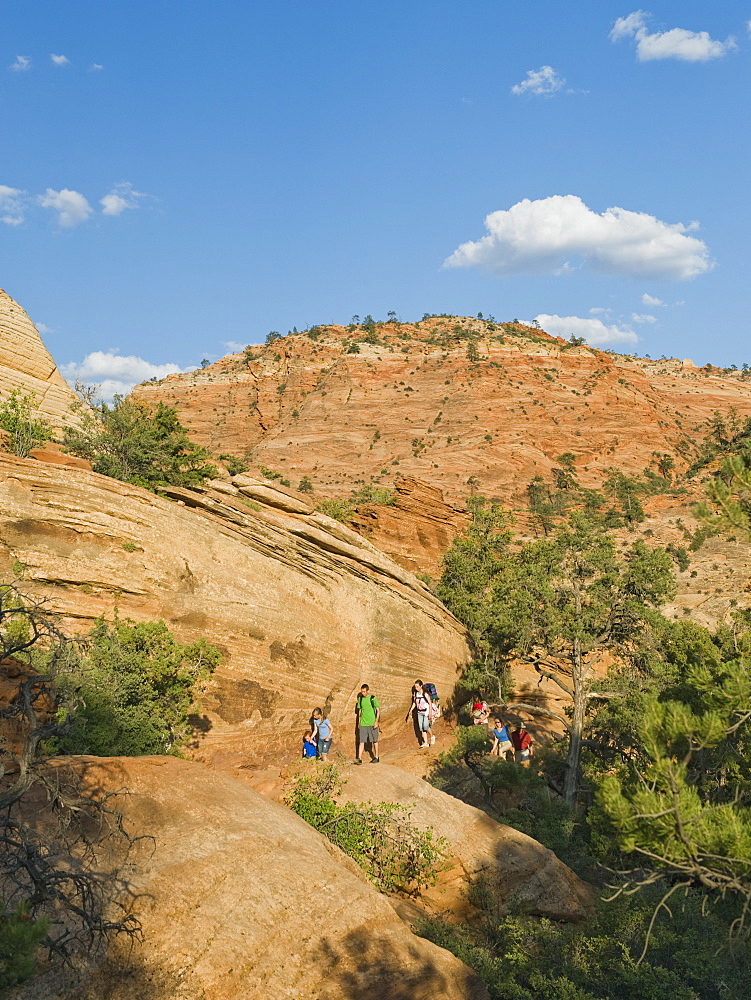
[(309, 745)]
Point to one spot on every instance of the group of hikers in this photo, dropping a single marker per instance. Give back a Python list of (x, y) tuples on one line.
[(424, 710)]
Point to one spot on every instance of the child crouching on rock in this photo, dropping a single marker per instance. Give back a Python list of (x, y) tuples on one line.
[(309, 748)]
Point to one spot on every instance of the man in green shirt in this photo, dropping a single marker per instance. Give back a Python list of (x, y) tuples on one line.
[(368, 712)]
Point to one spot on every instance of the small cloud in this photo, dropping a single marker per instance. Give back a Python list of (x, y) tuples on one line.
[(643, 318), (677, 43), (59, 60), (651, 300), (594, 331), (599, 311), (71, 207), (21, 64), (543, 236), (114, 373), (44, 329), (121, 196), (233, 346), (95, 67), (541, 82), (12, 204)]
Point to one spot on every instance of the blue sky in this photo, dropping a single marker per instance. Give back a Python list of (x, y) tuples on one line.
[(177, 178)]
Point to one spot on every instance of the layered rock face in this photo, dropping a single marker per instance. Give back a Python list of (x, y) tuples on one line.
[(26, 364), (239, 899), (416, 529), (303, 609), (454, 402)]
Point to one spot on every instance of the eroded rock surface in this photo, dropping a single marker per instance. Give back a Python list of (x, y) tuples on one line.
[(302, 608), (241, 900), (26, 364)]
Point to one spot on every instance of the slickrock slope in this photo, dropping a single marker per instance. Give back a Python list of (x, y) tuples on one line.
[(25, 363), (303, 609), (521, 873), (445, 400), (416, 529), (241, 900)]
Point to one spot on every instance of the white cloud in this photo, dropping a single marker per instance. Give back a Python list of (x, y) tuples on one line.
[(233, 346), (599, 311), (114, 373), (71, 207), (95, 67), (543, 81), (44, 329), (543, 236), (21, 64), (12, 203), (643, 318), (59, 60), (121, 196), (650, 300), (677, 43), (594, 331)]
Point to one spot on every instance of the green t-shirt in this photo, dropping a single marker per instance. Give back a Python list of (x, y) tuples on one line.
[(367, 706)]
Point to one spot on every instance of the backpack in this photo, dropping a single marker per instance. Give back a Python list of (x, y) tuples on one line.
[(360, 700), (431, 691)]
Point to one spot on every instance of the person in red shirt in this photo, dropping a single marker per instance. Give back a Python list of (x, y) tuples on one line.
[(522, 742)]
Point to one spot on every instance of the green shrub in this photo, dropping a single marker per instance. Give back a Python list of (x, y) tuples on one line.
[(24, 430), (129, 442), (235, 466), (138, 686), (19, 937), (380, 837), (306, 486)]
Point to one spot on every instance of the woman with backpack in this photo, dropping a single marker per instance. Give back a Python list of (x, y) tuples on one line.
[(422, 708)]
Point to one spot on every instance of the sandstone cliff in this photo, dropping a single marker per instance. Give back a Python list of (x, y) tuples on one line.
[(26, 364), (447, 400), (239, 899), (302, 608)]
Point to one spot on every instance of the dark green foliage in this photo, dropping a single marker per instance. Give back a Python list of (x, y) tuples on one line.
[(378, 836), (138, 686), (25, 431), (127, 441), (470, 569), (306, 486), (19, 937), (520, 958), (235, 466)]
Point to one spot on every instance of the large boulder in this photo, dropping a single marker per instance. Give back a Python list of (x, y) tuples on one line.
[(522, 875), (239, 899), (303, 609)]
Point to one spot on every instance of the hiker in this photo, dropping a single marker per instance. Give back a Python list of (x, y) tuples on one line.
[(368, 714), (501, 740), (422, 708), (309, 747), (522, 745), (480, 713), (323, 731)]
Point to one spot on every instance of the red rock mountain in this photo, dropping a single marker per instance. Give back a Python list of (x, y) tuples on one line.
[(458, 403)]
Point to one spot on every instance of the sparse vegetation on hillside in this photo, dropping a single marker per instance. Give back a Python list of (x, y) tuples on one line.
[(343, 509)]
